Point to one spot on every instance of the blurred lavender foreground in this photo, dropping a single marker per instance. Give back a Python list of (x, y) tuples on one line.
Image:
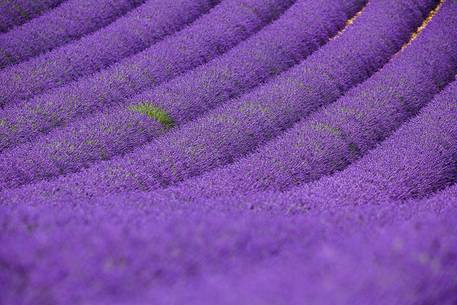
[(261, 152)]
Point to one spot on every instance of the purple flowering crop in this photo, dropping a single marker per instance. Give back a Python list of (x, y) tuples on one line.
[(261, 152), (337, 135), (238, 126), (17, 12)]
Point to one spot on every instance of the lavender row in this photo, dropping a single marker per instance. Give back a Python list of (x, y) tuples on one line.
[(335, 136), (420, 158), (133, 246), (396, 266), (116, 131), (290, 203), (17, 12), (239, 126), (124, 37), (213, 34)]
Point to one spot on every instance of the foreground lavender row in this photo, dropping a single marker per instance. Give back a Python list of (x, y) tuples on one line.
[(208, 252), (228, 152)]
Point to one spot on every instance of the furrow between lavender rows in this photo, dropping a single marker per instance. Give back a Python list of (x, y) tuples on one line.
[(420, 158), (416, 161)]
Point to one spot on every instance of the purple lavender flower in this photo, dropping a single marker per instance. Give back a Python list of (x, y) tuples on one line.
[(265, 152)]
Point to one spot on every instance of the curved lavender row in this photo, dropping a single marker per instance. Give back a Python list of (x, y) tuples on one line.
[(236, 128), (419, 158), (211, 35), (332, 138), (112, 241), (117, 131), (68, 21), (139, 206), (17, 12), (446, 196), (289, 204), (126, 36)]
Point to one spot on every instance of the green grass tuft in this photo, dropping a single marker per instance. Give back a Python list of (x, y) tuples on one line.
[(155, 113)]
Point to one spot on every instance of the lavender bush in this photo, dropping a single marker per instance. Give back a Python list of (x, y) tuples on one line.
[(17, 12)]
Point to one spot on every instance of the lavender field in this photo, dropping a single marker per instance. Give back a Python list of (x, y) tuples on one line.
[(228, 152)]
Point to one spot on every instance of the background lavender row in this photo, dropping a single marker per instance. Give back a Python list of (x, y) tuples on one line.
[(421, 157), (99, 246), (336, 135), (126, 36), (68, 21), (17, 12), (296, 34), (229, 23), (235, 129)]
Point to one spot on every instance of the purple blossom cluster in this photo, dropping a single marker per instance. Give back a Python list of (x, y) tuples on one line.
[(228, 152)]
